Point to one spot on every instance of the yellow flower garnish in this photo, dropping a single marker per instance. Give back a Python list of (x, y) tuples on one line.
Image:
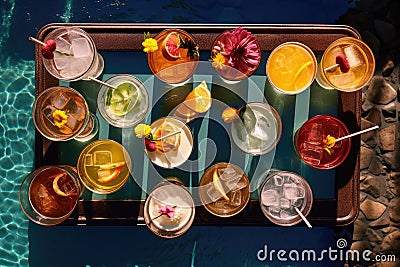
[(229, 114), (150, 45), (142, 130), (329, 143), (60, 118), (218, 62)]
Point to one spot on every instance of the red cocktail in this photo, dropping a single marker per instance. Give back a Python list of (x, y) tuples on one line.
[(312, 144)]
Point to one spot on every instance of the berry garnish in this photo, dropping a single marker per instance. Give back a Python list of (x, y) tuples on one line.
[(52, 44), (150, 145), (46, 52), (343, 63)]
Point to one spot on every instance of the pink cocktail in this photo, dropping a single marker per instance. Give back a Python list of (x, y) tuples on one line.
[(311, 142)]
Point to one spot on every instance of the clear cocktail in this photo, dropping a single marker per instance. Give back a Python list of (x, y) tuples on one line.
[(61, 113), (169, 209), (257, 128), (311, 142), (358, 70), (49, 194), (126, 105), (235, 54), (224, 189), (281, 193), (291, 67), (77, 56), (176, 58), (103, 166)]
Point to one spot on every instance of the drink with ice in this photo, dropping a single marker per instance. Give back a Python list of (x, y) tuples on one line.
[(280, 193), (310, 142), (103, 166), (61, 113), (173, 195), (291, 67), (126, 105), (224, 189), (259, 129), (49, 194), (77, 57), (360, 59)]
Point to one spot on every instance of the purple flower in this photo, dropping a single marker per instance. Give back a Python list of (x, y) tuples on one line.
[(241, 49), (167, 210)]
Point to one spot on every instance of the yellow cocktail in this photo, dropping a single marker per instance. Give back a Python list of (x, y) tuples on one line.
[(291, 67)]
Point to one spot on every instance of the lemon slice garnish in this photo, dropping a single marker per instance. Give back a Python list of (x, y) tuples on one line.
[(218, 186), (56, 188)]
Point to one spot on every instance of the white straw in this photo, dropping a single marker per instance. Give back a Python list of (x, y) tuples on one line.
[(357, 133), (331, 67), (101, 82), (167, 135), (303, 217)]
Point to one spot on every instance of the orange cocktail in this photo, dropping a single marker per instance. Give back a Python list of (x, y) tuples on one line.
[(291, 67)]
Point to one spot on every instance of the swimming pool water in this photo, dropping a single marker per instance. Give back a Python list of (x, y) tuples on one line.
[(22, 243)]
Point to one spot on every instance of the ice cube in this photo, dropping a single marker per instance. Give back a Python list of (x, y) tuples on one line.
[(331, 60), (353, 55), (278, 180), (88, 160), (62, 46), (48, 113), (102, 157), (343, 79), (235, 198), (81, 47), (297, 202), (261, 128), (76, 108), (311, 153), (45, 200), (77, 67), (68, 187), (314, 135), (286, 214), (270, 197), (274, 211), (59, 101), (72, 123), (293, 192), (212, 194), (284, 203)]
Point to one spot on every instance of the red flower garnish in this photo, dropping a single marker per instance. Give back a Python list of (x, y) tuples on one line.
[(343, 63), (241, 49)]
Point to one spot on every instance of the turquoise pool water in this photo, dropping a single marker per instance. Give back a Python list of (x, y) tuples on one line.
[(25, 244)]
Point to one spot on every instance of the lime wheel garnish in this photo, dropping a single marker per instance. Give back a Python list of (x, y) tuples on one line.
[(172, 44)]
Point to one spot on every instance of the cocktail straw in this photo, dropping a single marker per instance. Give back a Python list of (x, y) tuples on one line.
[(357, 133), (101, 82), (303, 217), (41, 43), (331, 67), (167, 135)]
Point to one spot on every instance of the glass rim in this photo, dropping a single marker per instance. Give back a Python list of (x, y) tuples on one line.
[(43, 95), (103, 90), (313, 59), (205, 205), (296, 219), (360, 44), (48, 66)]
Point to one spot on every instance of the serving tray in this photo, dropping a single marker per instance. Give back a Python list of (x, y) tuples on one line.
[(336, 192)]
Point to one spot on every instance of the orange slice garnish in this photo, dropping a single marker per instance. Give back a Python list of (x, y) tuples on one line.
[(199, 99), (108, 175), (56, 188)]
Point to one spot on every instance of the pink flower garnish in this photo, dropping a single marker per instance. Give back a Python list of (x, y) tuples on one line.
[(343, 63), (241, 49), (167, 210)]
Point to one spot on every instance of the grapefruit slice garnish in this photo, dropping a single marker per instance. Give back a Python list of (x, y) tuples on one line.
[(171, 45), (56, 188), (169, 143), (218, 185), (108, 175)]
